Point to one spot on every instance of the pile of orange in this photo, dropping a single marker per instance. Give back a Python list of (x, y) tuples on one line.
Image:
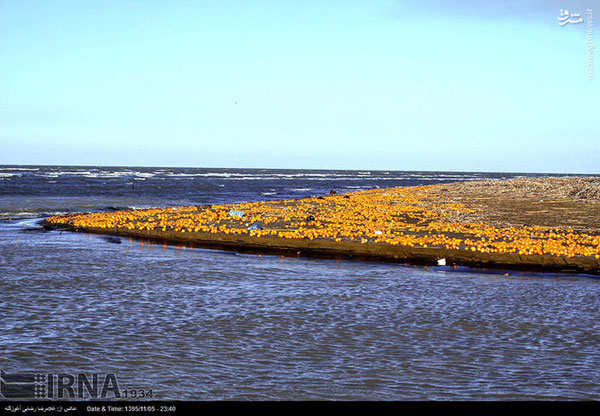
[(415, 216)]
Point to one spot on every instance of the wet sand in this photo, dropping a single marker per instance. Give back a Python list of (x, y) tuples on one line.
[(543, 224)]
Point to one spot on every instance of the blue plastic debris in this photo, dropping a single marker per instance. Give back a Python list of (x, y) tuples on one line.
[(255, 226), (234, 213)]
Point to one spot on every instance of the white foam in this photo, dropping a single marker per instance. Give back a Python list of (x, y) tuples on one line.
[(263, 176), (144, 174), (75, 172), (30, 214), (106, 175), (23, 169)]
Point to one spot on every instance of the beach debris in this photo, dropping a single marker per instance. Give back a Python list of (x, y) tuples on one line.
[(310, 218), (441, 262), (378, 232), (332, 192), (234, 213), (255, 226)]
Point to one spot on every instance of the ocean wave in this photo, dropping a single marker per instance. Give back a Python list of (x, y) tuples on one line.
[(256, 175), (94, 173), (262, 176), (314, 179), (75, 172), (20, 169), (295, 177), (106, 175), (30, 214), (144, 174)]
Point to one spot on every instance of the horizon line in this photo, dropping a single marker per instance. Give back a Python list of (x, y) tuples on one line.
[(301, 169)]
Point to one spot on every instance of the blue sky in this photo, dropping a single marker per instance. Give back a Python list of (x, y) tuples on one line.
[(436, 85)]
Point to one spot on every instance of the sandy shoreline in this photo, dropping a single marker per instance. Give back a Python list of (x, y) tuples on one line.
[(466, 224)]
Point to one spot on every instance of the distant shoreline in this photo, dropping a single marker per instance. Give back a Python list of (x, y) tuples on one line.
[(534, 224)]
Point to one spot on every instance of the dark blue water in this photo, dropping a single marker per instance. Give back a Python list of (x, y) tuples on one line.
[(202, 324), (28, 191)]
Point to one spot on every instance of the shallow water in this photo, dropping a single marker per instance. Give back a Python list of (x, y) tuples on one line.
[(203, 324)]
